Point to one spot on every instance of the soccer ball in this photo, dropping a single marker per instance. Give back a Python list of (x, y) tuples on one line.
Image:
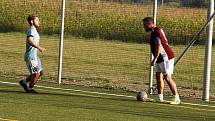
[(141, 96)]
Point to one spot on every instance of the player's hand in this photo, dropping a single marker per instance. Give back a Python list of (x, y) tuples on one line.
[(153, 62), (41, 49)]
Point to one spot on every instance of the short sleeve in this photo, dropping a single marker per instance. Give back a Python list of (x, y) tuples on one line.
[(30, 33), (155, 36), (157, 39)]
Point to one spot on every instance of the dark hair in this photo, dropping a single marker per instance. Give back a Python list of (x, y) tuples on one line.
[(30, 18), (148, 19)]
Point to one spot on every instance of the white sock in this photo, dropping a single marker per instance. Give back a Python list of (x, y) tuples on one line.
[(160, 96), (176, 97)]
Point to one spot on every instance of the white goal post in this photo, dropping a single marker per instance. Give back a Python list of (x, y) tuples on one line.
[(61, 42)]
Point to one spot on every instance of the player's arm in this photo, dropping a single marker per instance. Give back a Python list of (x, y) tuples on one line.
[(157, 50), (30, 41)]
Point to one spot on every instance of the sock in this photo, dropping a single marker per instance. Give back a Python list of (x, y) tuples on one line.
[(176, 97), (160, 96)]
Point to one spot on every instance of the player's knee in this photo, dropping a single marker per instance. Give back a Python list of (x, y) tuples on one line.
[(168, 77)]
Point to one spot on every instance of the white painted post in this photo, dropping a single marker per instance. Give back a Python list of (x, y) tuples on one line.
[(61, 42), (208, 53)]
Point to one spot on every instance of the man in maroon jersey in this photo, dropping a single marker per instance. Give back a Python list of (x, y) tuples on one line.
[(163, 59)]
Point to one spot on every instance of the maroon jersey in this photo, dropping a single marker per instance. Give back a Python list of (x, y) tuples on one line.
[(166, 52)]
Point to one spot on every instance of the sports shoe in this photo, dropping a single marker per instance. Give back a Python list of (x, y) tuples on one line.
[(175, 102), (32, 91), (159, 100), (149, 100), (25, 87)]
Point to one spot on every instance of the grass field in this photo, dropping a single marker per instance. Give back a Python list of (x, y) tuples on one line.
[(58, 105), (98, 63)]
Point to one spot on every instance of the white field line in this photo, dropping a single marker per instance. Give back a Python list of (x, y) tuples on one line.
[(202, 105), (3, 119), (74, 90), (107, 94)]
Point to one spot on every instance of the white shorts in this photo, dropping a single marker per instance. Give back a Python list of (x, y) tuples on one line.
[(165, 67), (34, 66)]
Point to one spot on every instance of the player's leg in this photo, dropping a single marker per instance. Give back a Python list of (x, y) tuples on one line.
[(31, 79), (168, 70), (34, 68), (160, 82), (37, 68), (173, 88), (160, 85), (24, 83), (34, 79), (171, 84)]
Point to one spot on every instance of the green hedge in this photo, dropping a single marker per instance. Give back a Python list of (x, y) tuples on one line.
[(94, 20)]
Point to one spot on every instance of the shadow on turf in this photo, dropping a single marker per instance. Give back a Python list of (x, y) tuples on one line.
[(11, 91), (68, 94), (139, 110)]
